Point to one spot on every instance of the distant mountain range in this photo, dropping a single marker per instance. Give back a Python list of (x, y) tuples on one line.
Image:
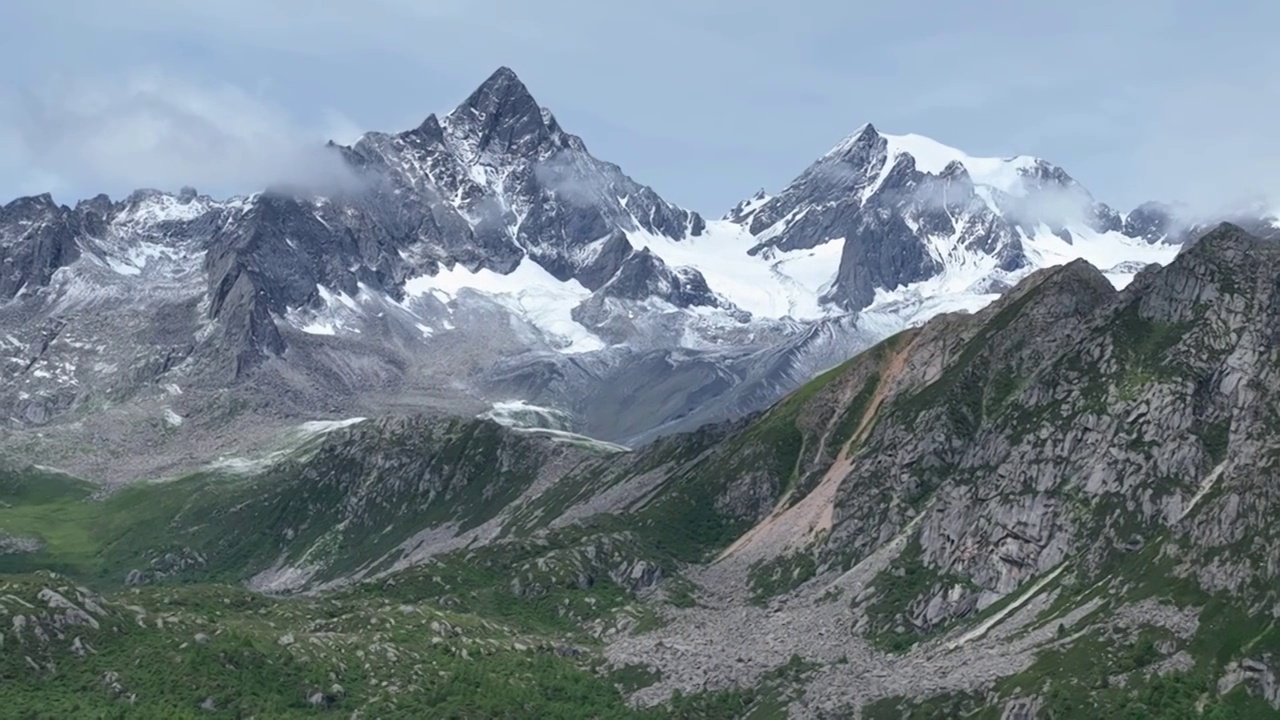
[(484, 261)]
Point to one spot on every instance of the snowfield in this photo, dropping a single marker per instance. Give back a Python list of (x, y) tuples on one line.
[(770, 284), (529, 291), (776, 285)]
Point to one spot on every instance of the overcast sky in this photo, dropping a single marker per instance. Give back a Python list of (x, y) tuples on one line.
[(706, 101)]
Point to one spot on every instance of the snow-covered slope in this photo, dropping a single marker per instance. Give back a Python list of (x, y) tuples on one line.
[(529, 291), (930, 156)]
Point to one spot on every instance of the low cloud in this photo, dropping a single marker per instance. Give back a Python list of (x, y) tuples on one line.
[(1052, 203), (837, 171), (1055, 205), (154, 130), (573, 180)]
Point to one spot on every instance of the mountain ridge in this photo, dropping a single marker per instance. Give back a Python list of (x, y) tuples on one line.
[(287, 305)]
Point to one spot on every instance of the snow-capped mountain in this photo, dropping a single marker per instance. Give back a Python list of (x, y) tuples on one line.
[(486, 257), (916, 217)]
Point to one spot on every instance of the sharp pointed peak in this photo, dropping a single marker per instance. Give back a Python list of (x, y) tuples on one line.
[(430, 129), (865, 132), (503, 74), (503, 87), (501, 114), (864, 135)]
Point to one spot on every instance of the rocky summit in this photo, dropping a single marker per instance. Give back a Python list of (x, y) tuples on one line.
[(484, 427)]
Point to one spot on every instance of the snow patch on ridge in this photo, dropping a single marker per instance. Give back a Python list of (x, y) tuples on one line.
[(520, 414), (933, 157), (316, 427), (1118, 256), (775, 284), (163, 207), (770, 285)]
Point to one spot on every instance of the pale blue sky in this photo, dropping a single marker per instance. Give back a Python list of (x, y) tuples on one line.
[(704, 101)]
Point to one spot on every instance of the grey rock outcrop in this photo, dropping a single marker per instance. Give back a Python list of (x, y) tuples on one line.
[(36, 238), (1138, 404), (1259, 676)]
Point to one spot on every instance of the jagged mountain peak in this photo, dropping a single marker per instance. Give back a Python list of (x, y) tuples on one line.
[(501, 89), (430, 129), (493, 187), (954, 170), (865, 134), (1228, 248), (100, 203), (30, 204), (868, 163), (502, 116)]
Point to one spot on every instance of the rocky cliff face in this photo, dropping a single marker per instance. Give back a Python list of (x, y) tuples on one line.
[(39, 238), (1066, 426), (1074, 422)]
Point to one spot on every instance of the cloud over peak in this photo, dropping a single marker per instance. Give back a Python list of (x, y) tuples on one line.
[(154, 129)]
